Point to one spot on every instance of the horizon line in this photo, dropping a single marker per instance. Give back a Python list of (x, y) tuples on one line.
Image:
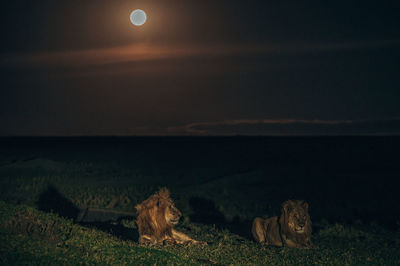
[(205, 136)]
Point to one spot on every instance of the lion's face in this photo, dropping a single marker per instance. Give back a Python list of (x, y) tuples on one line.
[(172, 214), (297, 218), (158, 209), (297, 221)]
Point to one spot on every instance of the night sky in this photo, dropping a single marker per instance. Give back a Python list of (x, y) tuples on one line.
[(205, 67)]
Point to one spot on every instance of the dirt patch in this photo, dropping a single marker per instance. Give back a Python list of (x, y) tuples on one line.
[(102, 215)]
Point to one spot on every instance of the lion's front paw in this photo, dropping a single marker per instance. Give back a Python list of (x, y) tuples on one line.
[(195, 242), (312, 247), (169, 242), (203, 243)]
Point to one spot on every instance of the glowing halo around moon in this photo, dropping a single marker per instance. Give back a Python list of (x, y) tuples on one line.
[(138, 17)]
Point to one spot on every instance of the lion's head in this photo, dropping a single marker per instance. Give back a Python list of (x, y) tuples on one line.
[(296, 223), (157, 215)]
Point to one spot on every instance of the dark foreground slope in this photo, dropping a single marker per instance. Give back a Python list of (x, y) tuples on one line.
[(31, 237)]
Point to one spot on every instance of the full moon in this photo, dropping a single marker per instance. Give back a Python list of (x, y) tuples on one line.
[(138, 17)]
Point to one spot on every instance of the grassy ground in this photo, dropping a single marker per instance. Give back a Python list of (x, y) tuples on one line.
[(29, 236), (354, 217)]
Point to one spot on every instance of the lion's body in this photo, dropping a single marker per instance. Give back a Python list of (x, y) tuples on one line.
[(156, 218), (292, 228), (267, 231)]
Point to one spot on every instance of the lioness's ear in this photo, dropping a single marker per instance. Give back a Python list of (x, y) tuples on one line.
[(305, 205)]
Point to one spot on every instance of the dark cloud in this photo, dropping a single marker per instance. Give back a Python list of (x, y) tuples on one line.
[(143, 52), (291, 127), (285, 127)]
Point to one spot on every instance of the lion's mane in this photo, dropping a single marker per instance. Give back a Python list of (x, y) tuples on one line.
[(292, 228), (156, 217)]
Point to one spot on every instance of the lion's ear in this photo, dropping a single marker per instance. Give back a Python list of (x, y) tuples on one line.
[(305, 205), (164, 192), (138, 207), (158, 202), (286, 206)]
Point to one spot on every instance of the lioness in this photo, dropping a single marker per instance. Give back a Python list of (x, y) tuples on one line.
[(156, 218), (292, 228)]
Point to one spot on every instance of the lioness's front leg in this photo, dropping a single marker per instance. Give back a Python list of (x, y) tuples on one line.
[(181, 238)]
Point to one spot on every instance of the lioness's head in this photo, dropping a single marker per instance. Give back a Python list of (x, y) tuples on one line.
[(296, 216)]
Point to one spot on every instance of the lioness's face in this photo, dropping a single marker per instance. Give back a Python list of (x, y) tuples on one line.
[(172, 214)]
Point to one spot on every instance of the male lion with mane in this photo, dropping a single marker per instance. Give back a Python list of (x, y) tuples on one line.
[(292, 228), (156, 218)]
